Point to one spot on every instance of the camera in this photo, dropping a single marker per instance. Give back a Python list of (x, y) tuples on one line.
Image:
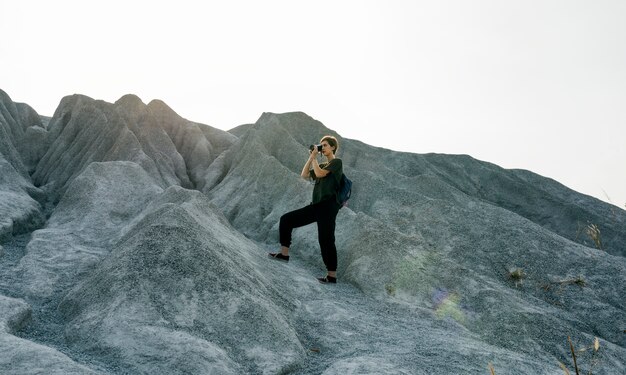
[(319, 147)]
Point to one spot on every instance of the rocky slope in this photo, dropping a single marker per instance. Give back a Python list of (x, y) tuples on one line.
[(134, 241)]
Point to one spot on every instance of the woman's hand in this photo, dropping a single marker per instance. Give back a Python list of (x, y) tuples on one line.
[(313, 154)]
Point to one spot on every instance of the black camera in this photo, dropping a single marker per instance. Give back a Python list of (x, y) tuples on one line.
[(319, 147)]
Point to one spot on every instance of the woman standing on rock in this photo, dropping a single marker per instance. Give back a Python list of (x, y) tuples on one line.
[(322, 210)]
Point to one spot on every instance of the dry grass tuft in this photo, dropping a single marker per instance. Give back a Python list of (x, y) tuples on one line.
[(578, 280), (593, 231), (391, 289), (517, 275), (564, 368), (593, 361), (573, 355)]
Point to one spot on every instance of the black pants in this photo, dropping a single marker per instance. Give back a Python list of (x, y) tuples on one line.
[(324, 213)]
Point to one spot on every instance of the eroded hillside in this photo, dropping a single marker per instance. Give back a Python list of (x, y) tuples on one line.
[(134, 241)]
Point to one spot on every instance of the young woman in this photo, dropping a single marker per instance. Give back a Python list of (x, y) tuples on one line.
[(322, 210)]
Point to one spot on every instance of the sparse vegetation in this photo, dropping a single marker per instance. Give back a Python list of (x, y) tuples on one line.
[(517, 275), (564, 368), (578, 280), (592, 362), (391, 289), (593, 231), (555, 289)]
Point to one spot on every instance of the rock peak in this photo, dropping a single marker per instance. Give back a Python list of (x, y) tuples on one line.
[(130, 101)]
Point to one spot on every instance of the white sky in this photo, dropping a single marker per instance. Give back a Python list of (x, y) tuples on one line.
[(532, 84)]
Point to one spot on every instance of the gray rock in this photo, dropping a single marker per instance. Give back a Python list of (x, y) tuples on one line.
[(17, 123), (92, 216), (183, 293), (34, 137), (198, 144), (421, 239), (539, 199), (172, 150), (21, 356), (446, 263), (83, 131), (20, 210), (11, 132)]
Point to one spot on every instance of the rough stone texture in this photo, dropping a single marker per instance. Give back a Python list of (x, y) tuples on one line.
[(91, 217), (135, 272), (11, 133), (539, 199), (183, 293), (20, 210), (21, 356), (198, 144), (80, 132), (172, 150), (414, 236)]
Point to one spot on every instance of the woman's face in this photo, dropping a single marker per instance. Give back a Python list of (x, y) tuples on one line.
[(327, 149)]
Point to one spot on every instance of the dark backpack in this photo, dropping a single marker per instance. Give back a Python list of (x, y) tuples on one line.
[(345, 190)]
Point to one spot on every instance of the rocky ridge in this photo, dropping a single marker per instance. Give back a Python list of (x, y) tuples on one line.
[(134, 241)]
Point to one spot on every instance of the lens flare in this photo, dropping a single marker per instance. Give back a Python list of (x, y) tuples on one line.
[(447, 304)]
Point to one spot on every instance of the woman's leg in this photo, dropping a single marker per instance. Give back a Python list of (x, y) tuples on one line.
[(326, 236), (294, 219)]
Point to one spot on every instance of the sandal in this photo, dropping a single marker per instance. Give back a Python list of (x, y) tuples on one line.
[(279, 256)]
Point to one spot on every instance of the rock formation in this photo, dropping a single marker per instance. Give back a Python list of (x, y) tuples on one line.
[(134, 241)]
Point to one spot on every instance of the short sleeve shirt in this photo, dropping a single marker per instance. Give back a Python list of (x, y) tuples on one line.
[(327, 187)]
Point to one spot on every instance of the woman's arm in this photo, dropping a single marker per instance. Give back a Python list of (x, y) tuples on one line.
[(305, 170), (319, 172)]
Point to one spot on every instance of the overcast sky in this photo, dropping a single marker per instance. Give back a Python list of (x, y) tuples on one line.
[(537, 85)]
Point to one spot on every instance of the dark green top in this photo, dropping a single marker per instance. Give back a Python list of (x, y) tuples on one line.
[(327, 187)]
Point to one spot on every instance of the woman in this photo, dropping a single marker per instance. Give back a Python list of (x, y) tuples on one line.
[(322, 210)]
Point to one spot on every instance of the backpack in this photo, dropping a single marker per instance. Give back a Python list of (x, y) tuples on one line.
[(345, 190)]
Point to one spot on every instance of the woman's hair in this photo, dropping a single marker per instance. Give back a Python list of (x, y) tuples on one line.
[(332, 141)]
